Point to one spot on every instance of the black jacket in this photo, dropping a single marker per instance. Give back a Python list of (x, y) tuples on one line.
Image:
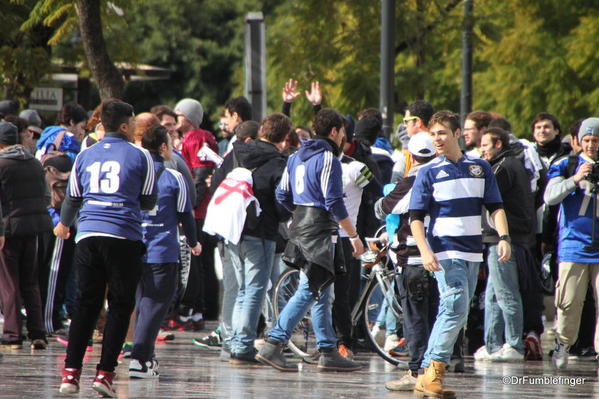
[(267, 164), (23, 193), (518, 201), (367, 223)]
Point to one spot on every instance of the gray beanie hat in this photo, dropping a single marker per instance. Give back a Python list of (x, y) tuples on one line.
[(192, 109), (588, 126), (8, 133), (32, 117)]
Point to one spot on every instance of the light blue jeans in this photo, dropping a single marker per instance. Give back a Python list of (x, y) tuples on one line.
[(230, 289), (267, 309), (386, 318), (295, 310), (503, 304), (252, 260), (456, 282)]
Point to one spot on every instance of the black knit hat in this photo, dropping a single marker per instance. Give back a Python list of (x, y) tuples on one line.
[(368, 129), (61, 162)]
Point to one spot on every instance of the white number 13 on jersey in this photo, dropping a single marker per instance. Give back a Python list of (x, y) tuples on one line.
[(110, 183)]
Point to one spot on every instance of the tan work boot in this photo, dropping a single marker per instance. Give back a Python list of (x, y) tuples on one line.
[(430, 384)]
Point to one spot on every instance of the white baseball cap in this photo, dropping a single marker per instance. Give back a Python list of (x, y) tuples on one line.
[(421, 145)]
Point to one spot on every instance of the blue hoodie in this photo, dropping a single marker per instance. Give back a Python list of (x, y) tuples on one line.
[(69, 144), (313, 177)]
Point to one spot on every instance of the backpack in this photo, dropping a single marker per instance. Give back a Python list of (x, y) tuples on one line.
[(53, 149), (228, 212), (253, 209)]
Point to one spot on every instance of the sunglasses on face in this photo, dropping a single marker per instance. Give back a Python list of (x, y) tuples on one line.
[(409, 118)]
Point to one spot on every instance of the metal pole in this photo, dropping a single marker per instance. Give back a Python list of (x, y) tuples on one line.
[(255, 64), (466, 94), (387, 65)]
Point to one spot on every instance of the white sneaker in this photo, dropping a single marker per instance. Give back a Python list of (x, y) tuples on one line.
[(507, 354), (391, 342), (482, 354), (147, 370), (559, 358), (378, 334)]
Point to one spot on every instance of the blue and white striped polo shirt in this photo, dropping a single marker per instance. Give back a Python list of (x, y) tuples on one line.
[(453, 194)]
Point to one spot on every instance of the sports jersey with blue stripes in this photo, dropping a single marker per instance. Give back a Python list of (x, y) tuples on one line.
[(452, 194), (160, 232), (575, 216), (313, 177)]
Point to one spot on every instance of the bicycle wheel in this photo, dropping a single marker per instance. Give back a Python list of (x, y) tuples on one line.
[(303, 340), (372, 306)]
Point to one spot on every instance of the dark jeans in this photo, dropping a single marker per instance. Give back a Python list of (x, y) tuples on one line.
[(155, 291), (529, 278), (419, 301), (19, 285), (104, 262), (347, 291), (469, 341), (54, 273), (586, 332), (201, 294)]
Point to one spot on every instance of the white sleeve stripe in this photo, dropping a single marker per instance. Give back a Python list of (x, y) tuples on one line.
[(150, 175), (285, 180), (326, 172), (73, 185), (182, 197)]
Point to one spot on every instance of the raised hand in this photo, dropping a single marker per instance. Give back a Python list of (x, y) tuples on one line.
[(290, 92), (314, 95)]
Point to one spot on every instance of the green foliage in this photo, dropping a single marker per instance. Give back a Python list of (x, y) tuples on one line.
[(201, 42), (544, 60), (24, 58), (335, 43), (529, 55)]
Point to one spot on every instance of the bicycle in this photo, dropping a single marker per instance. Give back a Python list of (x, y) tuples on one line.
[(379, 286)]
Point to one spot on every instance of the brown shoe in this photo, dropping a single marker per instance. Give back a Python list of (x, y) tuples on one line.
[(430, 384)]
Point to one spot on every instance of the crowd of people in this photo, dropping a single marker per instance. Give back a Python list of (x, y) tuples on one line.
[(111, 222)]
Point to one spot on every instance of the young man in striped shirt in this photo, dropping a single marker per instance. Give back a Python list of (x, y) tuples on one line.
[(452, 190)]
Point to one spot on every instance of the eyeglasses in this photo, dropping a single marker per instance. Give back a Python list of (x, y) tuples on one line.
[(409, 118)]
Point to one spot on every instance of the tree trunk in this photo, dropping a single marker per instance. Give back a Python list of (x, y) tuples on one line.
[(108, 78)]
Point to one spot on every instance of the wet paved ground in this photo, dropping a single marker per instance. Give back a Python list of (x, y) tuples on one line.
[(190, 372)]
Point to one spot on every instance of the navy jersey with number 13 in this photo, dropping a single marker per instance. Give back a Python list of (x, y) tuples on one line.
[(111, 176)]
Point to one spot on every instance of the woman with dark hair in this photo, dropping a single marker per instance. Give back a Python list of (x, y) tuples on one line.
[(66, 135)]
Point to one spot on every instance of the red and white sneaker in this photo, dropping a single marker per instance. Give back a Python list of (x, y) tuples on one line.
[(164, 336), (70, 381), (532, 343), (103, 384)]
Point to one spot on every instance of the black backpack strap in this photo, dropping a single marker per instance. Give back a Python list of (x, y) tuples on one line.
[(571, 165), (235, 160)]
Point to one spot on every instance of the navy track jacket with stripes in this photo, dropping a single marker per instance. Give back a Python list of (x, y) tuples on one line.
[(313, 177)]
